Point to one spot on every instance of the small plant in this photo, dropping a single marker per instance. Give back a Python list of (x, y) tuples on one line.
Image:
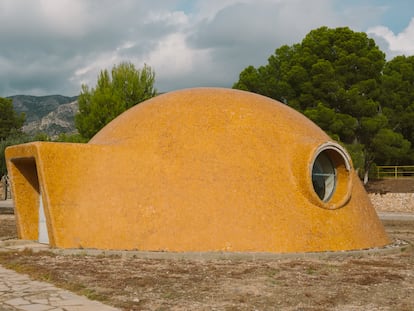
[(310, 270)]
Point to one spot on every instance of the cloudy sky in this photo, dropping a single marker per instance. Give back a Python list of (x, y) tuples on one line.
[(53, 46)]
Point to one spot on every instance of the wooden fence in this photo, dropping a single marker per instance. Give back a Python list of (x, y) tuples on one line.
[(394, 171)]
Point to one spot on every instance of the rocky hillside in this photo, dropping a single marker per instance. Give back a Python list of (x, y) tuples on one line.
[(53, 114)]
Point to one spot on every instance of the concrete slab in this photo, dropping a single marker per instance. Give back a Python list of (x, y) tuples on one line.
[(6, 203), (6, 207), (396, 216)]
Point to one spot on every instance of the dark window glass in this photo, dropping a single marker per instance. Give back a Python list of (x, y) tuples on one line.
[(323, 177)]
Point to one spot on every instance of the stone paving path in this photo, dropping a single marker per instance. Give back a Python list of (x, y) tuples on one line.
[(18, 292)]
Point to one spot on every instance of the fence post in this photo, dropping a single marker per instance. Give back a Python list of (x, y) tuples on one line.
[(395, 171)]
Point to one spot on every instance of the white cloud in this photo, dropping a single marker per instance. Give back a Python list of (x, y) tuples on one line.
[(208, 9), (172, 55), (169, 18), (66, 17), (53, 46), (395, 44)]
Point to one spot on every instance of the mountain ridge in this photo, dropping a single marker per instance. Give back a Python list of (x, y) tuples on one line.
[(50, 114)]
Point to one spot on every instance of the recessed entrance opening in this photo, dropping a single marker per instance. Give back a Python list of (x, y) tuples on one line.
[(33, 224)]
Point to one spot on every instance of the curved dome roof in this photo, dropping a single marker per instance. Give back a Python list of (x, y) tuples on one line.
[(208, 112), (213, 169), (244, 161)]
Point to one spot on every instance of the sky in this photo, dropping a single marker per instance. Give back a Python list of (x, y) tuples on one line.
[(54, 46)]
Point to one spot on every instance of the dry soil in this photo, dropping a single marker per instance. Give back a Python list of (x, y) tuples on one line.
[(381, 282)]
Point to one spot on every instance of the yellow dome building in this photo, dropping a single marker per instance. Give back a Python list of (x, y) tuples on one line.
[(196, 170)]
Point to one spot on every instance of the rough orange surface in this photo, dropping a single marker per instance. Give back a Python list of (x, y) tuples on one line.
[(193, 170)]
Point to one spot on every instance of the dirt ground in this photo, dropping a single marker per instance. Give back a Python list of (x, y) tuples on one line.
[(402, 185), (381, 282)]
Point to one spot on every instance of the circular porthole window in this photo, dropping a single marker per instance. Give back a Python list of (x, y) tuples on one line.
[(330, 175), (323, 177)]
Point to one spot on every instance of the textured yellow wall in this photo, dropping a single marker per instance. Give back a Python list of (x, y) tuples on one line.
[(194, 170)]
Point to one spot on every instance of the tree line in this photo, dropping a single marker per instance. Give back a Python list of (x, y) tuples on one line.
[(116, 91), (341, 80), (338, 78)]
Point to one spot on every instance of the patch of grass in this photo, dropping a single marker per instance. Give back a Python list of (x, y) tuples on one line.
[(93, 294), (169, 295), (273, 272), (47, 276), (275, 282), (311, 270), (16, 266)]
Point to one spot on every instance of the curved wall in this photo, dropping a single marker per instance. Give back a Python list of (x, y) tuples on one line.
[(198, 170)]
